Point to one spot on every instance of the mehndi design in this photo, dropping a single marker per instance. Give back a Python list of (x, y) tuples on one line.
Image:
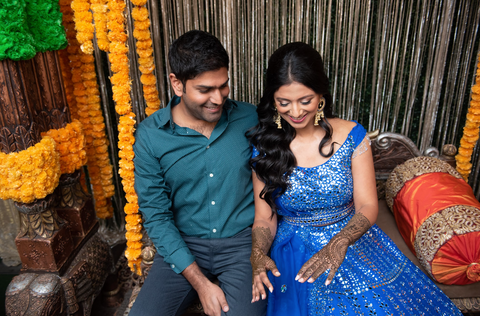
[(261, 241), (331, 256)]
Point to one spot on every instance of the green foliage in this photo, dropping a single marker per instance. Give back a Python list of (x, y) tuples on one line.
[(30, 26)]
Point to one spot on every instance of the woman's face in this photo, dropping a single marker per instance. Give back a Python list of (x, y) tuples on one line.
[(297, 104)]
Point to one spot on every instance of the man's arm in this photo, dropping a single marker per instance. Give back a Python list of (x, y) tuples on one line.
[(211, 295), (155, 204)]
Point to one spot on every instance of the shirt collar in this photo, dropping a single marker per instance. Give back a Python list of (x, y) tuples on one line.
[(166, 116)]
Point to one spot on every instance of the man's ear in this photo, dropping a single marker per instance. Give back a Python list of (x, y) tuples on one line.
[(177, 85)]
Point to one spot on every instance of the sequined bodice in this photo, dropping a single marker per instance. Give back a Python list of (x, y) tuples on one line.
[(322, 190)]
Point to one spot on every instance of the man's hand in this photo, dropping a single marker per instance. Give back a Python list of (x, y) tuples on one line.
[(211, 295), (213, 299)]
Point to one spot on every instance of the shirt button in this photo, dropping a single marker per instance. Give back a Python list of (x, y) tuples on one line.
[(173, 266), (211, 175), (214, 230), (208, 146), (213, 202)]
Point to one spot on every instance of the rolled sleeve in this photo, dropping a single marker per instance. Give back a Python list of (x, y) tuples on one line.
[(155, 205)]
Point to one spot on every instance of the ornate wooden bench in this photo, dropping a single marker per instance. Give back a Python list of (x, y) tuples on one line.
[(390, 150)]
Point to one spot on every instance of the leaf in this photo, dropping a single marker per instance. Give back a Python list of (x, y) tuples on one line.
[(6, 140)]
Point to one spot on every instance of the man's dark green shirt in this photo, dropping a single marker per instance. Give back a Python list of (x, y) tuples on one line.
[(191, 185)]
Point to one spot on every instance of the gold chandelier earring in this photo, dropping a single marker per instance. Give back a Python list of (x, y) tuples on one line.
[(277, 119), (319, 115)]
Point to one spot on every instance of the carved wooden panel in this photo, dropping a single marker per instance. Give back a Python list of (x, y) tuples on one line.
[(32, 100), (391, 149)]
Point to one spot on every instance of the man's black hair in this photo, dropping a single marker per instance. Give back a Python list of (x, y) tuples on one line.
[(196, 52)]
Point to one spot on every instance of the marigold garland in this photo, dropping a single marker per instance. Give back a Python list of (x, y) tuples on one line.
[(88, 110), (83, 24), (30, 174), (470, 131), (121, 95), (142, 34), (70, 142), (67, 79), (99, 9)]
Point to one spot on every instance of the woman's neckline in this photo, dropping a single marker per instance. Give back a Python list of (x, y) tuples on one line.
[(329, 158)]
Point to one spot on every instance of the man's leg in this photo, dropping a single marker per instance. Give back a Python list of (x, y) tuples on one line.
[(233, 269), (164, 292)]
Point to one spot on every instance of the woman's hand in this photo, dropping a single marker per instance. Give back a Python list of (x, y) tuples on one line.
[(331, 256), (261, 263), (261, 241), (263, 231)]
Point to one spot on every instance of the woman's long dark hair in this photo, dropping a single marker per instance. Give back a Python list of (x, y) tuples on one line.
[(294, 62)]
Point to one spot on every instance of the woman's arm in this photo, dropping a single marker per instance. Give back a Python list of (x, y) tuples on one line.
[(366, 209), (364, 184), (263, 232)]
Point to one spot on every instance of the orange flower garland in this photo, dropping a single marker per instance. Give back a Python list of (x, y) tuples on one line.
[(121, 95), (89, 113), (67, 17), (470, 131), (68, 61), (99, 9), (100, 169), (83, 24), (70, 145), (30, 174), (145, 53)]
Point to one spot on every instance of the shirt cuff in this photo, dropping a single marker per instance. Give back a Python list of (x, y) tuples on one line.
[(180, 259)]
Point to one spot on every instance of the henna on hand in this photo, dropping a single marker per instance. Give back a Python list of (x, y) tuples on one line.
[(261, 241), (332, 255)]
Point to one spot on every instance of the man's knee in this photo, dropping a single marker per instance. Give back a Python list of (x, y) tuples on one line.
[(163, 293)]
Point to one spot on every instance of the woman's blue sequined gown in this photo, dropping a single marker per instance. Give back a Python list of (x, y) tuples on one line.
[(374, 279)]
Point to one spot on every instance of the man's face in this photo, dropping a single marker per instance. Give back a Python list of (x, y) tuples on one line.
[(203, 96)]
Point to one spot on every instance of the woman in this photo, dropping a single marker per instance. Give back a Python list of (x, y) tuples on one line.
[(314, 174)]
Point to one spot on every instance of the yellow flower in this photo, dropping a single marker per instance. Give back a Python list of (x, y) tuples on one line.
[(147, 70), (140, 13), (134, 244), (154, 104), (470, 131), (147, 89), (132, 253), (99, 9), (141, 34), (139, 2), (146, 61), (133, 236), (22, 183), (117, 5), (142, 25), (135, 266)]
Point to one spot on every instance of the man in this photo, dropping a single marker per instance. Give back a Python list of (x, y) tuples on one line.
[(194, 188)]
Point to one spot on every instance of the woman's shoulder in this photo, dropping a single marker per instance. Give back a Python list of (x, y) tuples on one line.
[(342, 125), (343, 128)]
